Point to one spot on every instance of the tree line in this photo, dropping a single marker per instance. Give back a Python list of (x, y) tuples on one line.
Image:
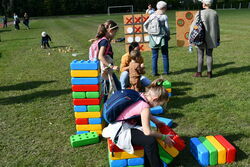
[(73, 7)]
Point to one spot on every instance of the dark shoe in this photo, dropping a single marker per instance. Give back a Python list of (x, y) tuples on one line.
[(155, 75), (198, 74), (209, 74)]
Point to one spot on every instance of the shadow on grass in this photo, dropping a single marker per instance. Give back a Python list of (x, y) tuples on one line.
[(194, 69), (54, 47), (181, 83), (180, 91), (186, 159), (30, 97), (235, 70), (19, 39), (180, 102), (4, 30), (0, 55), (24, 85)]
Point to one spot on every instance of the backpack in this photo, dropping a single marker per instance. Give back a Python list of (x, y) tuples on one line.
[(197, 36), (118, 102), (154, 27), (94, 49)]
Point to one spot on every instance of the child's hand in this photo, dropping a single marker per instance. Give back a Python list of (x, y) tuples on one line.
[(116, 68), (168, 141)]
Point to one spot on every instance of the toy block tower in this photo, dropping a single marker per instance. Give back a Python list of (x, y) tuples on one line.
[(86, 96), (168, 86)]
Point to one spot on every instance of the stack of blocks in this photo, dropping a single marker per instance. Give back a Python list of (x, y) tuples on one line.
[(168, 86), (167, 154), (120, 158), (212, 150), (86, 96)]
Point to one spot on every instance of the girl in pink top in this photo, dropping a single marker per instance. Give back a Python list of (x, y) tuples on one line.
[(154, 96)]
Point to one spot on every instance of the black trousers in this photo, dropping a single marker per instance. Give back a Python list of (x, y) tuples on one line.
[(151, 152)]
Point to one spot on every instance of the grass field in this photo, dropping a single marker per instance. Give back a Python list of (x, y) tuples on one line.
[(36, 112)]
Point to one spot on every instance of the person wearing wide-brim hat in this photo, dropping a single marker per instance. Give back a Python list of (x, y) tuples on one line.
[(210, 20)]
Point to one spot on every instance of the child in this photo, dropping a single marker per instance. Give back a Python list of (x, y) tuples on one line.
[(16, 22), (141, 134), (45, 40), (105, 33), (5, 20), (135, 70)]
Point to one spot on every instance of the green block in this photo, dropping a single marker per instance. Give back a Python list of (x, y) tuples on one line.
[(93, 108), (78, 95), (84, 139), (92, 95), (167, 84), (164, 156), (137, 166), (213, 153)]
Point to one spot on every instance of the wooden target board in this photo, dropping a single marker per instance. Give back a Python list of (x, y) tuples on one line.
[(134, 31), (184, 20)]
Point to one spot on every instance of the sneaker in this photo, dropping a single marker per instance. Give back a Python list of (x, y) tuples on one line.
[(198, 74), (209, 74)]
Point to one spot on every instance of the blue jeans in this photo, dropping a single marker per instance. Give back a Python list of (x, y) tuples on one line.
[(105, 85), (124, 79), (164, 51)]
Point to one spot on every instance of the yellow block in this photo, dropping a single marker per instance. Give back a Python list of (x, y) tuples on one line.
[(89, 127), (88, 114), (84, 73), (169, 90), (221, 150), (125, 155), (171, 150)]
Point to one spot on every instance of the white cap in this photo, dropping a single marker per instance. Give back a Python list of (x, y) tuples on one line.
[(44, 34), (208, 2), (161, 4)]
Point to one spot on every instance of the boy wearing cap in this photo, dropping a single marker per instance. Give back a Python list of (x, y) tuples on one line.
[(210, 20), (45, 40)]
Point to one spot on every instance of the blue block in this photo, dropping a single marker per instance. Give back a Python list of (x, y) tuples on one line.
[(164, 164), (95, 120), (80, 108), (118, 163), (157, 110), (169, 94), (135, 161), (167, 121), (84, 65), (199, 151), (81, 132), (85, 81)]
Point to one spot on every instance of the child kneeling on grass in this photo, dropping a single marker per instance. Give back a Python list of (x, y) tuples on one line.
[(138, 131)]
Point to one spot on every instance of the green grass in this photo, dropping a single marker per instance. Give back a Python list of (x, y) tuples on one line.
[(36, 109)]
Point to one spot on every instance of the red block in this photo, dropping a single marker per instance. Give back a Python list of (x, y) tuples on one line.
[(85, 88), (231, 151), (82, 121), (79, 102), (179, 143), (114, 148)]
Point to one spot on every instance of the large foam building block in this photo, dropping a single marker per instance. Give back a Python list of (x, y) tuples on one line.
[(167, 84), (135, 161), (92, 95), (169, 90), (80, 102), (78, 95), (81, 108), (199, 151), (167, 121), (85, 88), (179, 143), (231, 151), (81, 132), (157, 110), (125, 155), (164, 156), (84, 139), (170, 150), (221, 150), (93, 108), (82, 121), (113, 148), (84, 65), (88, 114), (95, 120), (213, 154), (136, 166), (85, 81), (89, 127), (84, 73), (118, 163)]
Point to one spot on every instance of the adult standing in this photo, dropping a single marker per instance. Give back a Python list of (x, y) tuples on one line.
[(5, 22), (26, 20), (16, 22), (159, 41), (210, 20), (124, 67), (150, 10)]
